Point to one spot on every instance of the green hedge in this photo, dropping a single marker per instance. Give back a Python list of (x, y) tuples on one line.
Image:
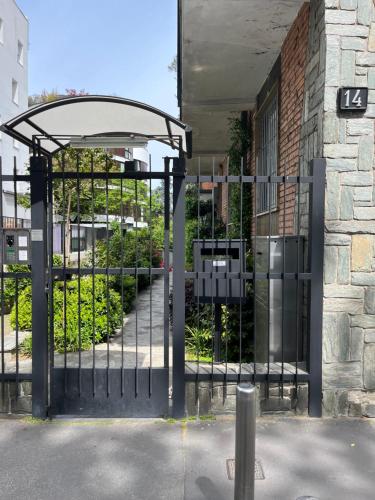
[(131, 249), (10, 283), (86, 324)]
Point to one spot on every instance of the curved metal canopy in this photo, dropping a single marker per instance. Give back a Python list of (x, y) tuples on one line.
[(96, 120)]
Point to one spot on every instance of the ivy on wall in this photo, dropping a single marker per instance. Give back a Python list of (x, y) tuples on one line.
[(240, 211)]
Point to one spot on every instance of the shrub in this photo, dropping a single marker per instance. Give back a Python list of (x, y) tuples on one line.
[(10, 283), (105, 324), (198, 340), (126, 244)]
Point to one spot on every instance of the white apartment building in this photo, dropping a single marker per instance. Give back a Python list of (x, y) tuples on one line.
[(14, 33)]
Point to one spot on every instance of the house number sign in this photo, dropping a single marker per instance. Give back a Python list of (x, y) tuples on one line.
[(353, 98)]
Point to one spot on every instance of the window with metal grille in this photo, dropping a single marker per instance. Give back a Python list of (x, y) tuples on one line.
[(267, 155)]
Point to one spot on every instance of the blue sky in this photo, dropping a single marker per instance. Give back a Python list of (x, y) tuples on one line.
[(118, 47)]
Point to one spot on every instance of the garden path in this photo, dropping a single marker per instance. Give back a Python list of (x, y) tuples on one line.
[(137, 320)]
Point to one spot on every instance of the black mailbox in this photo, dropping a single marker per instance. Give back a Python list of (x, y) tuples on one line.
[(219, 256)]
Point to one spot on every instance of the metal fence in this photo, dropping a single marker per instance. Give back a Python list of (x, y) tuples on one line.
[(257, 298), (14, 277), (246, 300)]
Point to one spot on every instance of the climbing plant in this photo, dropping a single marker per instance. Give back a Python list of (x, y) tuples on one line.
[(237, 153), (239, 319)]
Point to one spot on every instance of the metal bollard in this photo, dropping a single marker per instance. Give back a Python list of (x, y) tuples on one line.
[(245, 442)]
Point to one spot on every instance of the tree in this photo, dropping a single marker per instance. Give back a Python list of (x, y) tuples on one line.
[(80, 201)]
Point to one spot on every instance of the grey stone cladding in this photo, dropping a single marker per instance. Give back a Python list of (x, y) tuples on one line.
[(347, 142)]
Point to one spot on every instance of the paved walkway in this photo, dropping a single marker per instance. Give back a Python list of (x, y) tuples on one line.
[(154, 460), (137, 320)]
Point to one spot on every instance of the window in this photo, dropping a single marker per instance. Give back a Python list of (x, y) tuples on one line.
[(15, 91), (78, 240), (1, 31), (20, 53), (267, 154)]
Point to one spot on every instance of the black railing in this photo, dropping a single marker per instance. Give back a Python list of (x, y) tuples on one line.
[(247, 287), (267, 326)]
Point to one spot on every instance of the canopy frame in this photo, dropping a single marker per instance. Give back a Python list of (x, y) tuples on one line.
[(169, 130)]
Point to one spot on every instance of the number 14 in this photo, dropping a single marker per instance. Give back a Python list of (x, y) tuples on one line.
[(357, 100)]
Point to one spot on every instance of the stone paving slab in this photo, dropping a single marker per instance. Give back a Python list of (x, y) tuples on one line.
[(155, 460)]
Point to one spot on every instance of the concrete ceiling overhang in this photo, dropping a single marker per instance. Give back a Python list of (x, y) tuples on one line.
[(227, 49)]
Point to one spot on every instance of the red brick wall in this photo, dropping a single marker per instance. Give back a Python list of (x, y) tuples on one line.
[(293, 63), (291, 95)]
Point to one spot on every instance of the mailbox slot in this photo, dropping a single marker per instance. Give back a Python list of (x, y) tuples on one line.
[(219, 256)]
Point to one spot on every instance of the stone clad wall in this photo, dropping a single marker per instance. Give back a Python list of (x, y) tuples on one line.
[(349, 260)]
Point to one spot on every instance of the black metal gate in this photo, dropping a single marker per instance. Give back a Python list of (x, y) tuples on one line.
[(119, 376), (227, 278)]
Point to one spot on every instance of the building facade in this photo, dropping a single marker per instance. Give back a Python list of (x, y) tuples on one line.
[(13, 100), (282, 65)]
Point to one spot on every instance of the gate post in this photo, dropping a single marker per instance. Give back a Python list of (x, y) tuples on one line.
[(316, 251), (38, 168), (178, 381)]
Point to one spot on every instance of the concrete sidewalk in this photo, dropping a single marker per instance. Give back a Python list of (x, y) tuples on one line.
[(147, 459)]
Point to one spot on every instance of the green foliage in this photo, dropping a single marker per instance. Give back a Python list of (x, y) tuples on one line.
[(240, 144), (199, 221), (198, 340), (130, 250), (96, 319), (10, 284), (24, 310), (200, 320)]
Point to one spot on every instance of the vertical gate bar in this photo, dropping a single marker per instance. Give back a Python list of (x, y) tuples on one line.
[(298, 273), (15, 191), (78, 187), (241, 264), (255, 225), (50, 276), (38, 166), (16, 277), (107, 268), (150, 268), (228, 268), (283, 291), (166, 260), (17, 339), (198, 287), (316, 300), (2, 287), (269, 289), (93, 242), (122, 282), (136, 286), (178, 287), (215, 343), (66, 238)]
